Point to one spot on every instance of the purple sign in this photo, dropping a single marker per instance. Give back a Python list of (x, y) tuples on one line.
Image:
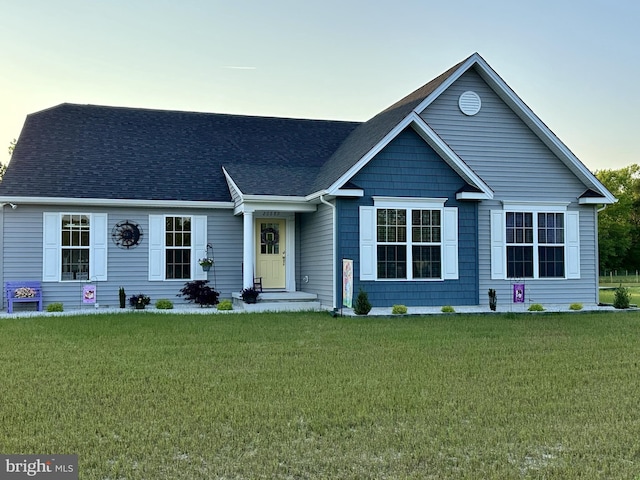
[(518, 293)]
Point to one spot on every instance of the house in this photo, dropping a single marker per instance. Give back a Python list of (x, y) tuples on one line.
[(457, 188)]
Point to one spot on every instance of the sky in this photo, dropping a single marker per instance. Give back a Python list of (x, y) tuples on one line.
[(575, 64)]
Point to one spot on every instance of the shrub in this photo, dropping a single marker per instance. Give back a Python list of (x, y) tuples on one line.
[(55, 307), (399, 309), (362, 306), (536, 307), (448, 309), (225, 305), (199, 292), (622, 298), (575, 306), (164, 304)]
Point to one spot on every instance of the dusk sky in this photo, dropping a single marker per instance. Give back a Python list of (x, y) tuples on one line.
[(575, 64)]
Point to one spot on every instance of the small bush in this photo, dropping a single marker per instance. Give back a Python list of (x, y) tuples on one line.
[(575, 306), (448, 309), (55, 307), (225, 305), (622, 298), (164, 304), (536, 307), (199, 292), (399, 309), (362, 306)]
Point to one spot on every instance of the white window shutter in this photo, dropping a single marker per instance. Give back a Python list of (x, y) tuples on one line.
[(367, 243), (450, 243), (98, 256), (156, 248), (572, 245), (51, 247), (199, 224), (498, 246)]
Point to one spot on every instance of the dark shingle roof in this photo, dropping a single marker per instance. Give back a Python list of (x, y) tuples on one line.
[(87, 151), (370, 133)]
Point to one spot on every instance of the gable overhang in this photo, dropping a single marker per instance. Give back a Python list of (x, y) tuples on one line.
[(414, 121), (537, 126), (274, 203)]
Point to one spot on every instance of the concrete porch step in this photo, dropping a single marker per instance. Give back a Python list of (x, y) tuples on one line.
[(278, 302)]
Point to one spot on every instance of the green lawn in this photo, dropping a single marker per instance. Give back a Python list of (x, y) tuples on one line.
[(305, 395)]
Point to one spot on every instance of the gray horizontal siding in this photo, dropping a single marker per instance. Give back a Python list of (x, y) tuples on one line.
[(22, 256), (499, 146), (316, 254), (550, 291), (517, 165)]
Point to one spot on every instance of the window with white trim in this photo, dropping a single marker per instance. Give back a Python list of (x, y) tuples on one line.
[(530, 242), (177, 248), (74, 246), (175, 244), (408, 239)]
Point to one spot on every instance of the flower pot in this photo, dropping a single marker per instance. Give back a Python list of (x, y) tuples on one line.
[(206, 268), (139, 306)]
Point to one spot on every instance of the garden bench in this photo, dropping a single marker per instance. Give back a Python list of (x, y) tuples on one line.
[(10, 292)]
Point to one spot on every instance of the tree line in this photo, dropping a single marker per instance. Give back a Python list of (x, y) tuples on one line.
[(619, 224)]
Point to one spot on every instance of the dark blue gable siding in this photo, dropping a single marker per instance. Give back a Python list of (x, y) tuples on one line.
[(409, 167)]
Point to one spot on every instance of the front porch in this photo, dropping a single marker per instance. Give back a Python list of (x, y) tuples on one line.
[(278, 302)]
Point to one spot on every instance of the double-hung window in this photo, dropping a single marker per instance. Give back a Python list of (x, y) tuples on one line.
[(175, 244), (529, 242), (74, 246), (408, 239)]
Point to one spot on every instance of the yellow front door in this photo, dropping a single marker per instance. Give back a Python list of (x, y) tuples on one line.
[(271, 255)]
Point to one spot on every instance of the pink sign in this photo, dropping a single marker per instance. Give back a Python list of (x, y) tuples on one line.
[(89, 294)]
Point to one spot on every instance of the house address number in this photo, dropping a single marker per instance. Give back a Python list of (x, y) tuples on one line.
[(271, 214)]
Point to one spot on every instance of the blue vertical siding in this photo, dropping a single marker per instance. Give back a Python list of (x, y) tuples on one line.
[(409, 167)]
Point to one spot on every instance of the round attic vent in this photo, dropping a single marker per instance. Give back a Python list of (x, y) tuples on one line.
[(469, 103)]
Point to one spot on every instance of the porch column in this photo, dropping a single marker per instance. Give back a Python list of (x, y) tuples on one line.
[(248, 250)]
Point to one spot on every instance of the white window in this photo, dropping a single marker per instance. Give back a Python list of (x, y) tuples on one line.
[(74, 247), (175, 244), (534, 242), (408, 239)]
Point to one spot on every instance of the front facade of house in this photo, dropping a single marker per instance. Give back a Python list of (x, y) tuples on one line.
[(456, 189)]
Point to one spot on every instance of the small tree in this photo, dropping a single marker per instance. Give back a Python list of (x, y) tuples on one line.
[(362, 306), (622, 298)]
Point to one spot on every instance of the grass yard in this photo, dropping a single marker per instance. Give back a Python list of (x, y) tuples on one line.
[(305, 395)]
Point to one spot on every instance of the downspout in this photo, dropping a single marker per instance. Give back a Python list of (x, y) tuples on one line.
[(334, 248)]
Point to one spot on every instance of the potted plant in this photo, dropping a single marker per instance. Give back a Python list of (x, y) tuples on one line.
[(250, 295), (139, 301), (206, 263)]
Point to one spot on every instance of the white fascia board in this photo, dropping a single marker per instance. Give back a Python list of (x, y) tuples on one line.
[(472, 196), (594, 201), (540, 129), (232, 185), (448, 82), (427, 134), (274, 204), (368, 156), (116, 202), (449, 156)]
